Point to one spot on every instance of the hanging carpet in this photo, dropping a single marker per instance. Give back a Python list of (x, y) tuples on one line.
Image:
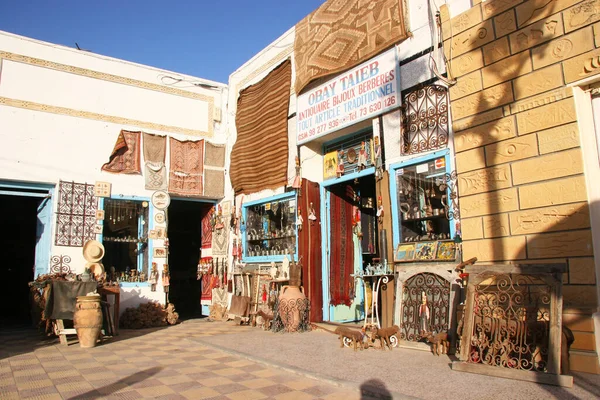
[(206, 239), (341, 34), (209, 282), (259, 158), (214, 186), (215, 155), (125, 157), (187, 166), (155, 171), (341, 248), (309, 249)]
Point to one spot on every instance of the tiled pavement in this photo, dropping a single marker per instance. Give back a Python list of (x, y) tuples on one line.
[(154, 363)]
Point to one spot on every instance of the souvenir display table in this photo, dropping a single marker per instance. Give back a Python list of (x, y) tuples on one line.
[(376, 281), (60, 302)]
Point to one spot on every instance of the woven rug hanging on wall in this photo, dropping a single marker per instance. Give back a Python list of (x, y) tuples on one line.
[(155, 171), (206, 239), (214, 170), (125, 157), (341, 251), (341, 34), (187, 166), (259, 158)]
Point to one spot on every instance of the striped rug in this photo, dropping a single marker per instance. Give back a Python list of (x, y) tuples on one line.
[(259, 158)]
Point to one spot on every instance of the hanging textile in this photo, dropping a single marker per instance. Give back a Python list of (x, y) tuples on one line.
[(155, 171), (125, 157), (214, 170), (209, 282), (341, 34), (341, 284), (215, 155), (259, 158), (309, 249), (187, 166), (220, 241), (206, 239), (214, 183)]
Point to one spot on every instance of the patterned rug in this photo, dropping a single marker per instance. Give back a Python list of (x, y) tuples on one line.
[(342, 34), (125, 157), (220, 241), (155, 171), (214, 183), (215, 155), (206, 239), (342, 252), (187, 166), (259, 157)]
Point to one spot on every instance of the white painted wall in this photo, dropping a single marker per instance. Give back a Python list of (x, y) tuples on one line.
[(45, 145)]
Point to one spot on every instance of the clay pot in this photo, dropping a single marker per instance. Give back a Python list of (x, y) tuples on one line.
[(88, 320), (292, 304)]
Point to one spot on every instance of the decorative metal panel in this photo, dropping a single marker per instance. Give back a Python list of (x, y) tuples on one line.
[(511, 323), (437, 292), (447, 183), (76, 215), (425, 120)]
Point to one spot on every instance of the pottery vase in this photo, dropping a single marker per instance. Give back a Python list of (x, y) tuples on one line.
[(87, 320), (292, 304)]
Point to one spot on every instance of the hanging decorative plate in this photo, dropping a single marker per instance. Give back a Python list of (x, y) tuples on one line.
[(351, 155), (161, 199), (159, 218)]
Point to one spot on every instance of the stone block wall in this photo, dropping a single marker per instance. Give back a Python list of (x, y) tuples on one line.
[(518, 157)]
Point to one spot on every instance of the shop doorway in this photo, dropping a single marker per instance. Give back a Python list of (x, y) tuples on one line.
[(351, 242), (19, 237), (185, 238)]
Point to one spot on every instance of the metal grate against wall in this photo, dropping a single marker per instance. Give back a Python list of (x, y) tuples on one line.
[(425, 119), (349, 145), (76, 214)]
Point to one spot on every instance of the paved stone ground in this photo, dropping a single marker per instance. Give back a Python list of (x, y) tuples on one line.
[(199, 359), (150, 363)]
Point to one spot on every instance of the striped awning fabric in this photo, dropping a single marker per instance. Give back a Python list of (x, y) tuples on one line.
[(259, 158)]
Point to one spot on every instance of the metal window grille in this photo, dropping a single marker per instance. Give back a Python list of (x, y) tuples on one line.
[(425, 120), (76, 214)]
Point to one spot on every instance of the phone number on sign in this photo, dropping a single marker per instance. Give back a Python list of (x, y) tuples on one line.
[(361, 112)]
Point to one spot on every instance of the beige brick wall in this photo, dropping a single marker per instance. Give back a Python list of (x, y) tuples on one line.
[(518, 157)]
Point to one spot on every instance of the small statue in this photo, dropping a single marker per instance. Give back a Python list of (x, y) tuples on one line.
[(380, 212), (312, 215), (299, 220), (424, 316), (113, 274), (378, 159), (340, 164), (297, 184), (153, 277), (219, 219), (362, 157)]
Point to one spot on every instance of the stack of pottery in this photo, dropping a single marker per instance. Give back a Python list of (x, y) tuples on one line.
[(292, 301), (87, 320)]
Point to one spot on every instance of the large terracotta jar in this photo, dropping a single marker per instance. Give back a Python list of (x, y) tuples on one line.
[(293, 304), (88, 320)]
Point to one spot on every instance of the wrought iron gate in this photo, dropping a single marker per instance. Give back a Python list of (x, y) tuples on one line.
[(437, 291), (511, 323)]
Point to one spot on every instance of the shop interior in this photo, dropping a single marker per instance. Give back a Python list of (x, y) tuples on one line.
[(125, 239), (358, 198), (185, 234), (17, 269)]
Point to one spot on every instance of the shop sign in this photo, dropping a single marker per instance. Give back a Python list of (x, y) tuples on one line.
[(356, 95)]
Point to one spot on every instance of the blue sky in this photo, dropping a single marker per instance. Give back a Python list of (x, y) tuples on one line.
[(205, 38)]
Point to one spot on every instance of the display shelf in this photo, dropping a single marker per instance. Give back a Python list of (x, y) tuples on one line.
[(430, 218), (271, 238)]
